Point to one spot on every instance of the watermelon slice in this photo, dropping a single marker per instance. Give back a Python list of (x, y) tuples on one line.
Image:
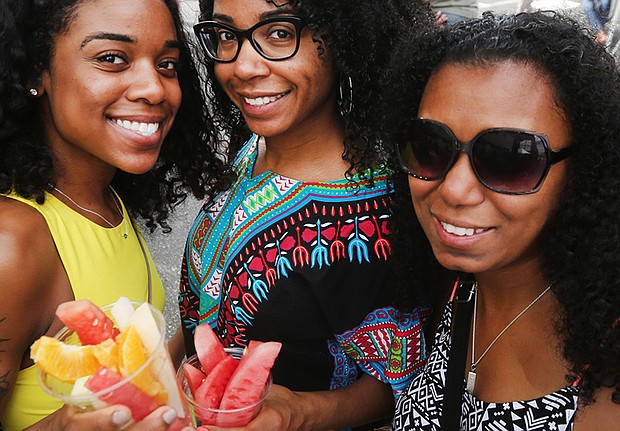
[(248, 381), (210, 392), (194, 377), (209, 348), (90, 324), (231, 392), (128, 394)]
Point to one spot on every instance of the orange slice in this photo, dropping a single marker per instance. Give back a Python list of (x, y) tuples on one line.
[(131, 356), (106, 353), (63, 361)]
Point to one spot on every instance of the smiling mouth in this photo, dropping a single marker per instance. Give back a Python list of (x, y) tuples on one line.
[(262, 101), (461, 231), (144, 129)]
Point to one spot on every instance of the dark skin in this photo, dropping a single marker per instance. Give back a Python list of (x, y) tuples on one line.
[(36, 267), (509, 278), (128, 76), (303, 139)]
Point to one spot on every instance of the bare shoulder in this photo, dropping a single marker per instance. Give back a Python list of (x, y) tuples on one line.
[(29, 261), (602, 415), (29, 265), (26, 240)]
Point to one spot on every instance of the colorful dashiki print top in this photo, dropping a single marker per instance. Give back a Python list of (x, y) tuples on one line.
[(389, 345), (420, 405), (297, 262)]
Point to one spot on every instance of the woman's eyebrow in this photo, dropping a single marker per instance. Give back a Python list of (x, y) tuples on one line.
[(107, 36), (122, 38), (268, 14)]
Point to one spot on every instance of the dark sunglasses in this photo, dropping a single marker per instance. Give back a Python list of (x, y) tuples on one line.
[(275, 38), (509, 161)]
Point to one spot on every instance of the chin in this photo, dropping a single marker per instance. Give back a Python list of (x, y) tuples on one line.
[(459, 263), (267, 129), (138, 168)]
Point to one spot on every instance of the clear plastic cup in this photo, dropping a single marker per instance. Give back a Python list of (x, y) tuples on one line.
[(205, 416), (158, 364)]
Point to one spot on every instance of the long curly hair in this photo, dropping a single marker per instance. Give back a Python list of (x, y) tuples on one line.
[(360, 36), (189, 162), (582, 239)]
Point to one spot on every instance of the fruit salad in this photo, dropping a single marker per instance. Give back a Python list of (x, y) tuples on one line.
[(101, 359), (225, 387)]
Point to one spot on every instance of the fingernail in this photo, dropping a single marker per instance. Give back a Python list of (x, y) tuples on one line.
[(120, 418), (169, 416)]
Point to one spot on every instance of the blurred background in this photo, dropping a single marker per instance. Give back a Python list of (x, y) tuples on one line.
[(167, 249)]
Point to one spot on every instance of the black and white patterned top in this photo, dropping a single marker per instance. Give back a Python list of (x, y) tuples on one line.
[(420, 405)]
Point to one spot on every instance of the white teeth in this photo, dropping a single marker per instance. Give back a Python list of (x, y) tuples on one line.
[(260, 101), (144, 129), (460, 231)]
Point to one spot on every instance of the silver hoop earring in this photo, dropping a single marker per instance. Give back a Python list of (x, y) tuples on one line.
[(33, 92), (345, 101)]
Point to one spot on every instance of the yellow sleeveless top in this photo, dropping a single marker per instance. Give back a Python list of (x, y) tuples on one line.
[(102, 265)]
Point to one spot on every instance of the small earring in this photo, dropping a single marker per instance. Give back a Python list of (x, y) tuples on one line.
[(33, 92)]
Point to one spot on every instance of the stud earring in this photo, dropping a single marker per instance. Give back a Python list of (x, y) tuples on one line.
[(33, 92)]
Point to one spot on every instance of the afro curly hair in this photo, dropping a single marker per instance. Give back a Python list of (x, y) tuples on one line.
[(582, 239), (360, 36), (189, 161)]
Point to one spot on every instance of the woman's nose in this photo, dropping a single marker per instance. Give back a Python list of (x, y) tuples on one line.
[(147, 85), (249, 62), (460, 185)]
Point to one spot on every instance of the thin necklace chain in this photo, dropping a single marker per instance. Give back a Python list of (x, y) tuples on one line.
[(89, 210), (475, 363)]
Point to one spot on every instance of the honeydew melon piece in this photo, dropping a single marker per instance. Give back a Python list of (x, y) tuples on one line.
[(122, 311), (80, 390), (142, 319)]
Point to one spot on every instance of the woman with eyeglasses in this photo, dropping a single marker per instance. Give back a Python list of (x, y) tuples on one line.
[(89, 94), (513, 155), (298, 249)]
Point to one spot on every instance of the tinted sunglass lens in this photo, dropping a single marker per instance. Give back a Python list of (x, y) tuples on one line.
[(427, 150), (510, 161)]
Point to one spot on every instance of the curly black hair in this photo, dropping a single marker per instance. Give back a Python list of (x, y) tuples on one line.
[(582, 239), (360, 36), (189, 162)]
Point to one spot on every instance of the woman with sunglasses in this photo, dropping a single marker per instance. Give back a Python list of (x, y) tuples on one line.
[(512, 151), (89, 94), (297, 250)]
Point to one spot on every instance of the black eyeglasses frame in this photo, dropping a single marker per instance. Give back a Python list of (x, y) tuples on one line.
[(297, 21), (552, 156)]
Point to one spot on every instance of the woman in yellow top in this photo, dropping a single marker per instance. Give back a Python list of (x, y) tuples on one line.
[(89, 92)]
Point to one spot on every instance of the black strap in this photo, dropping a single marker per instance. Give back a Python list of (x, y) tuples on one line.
[(455, 383)]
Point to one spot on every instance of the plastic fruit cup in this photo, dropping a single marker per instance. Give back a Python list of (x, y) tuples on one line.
[(159, 366), (205, 416)]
